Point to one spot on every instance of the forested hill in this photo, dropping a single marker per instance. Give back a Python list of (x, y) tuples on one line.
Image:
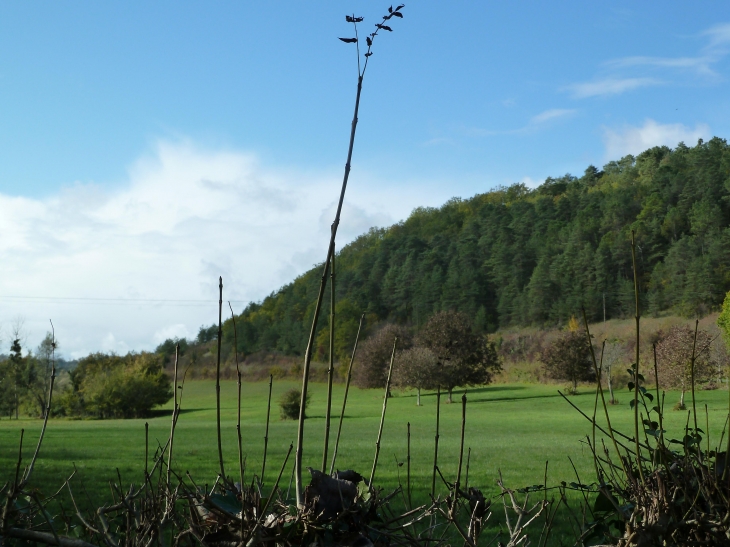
[(521, 256)]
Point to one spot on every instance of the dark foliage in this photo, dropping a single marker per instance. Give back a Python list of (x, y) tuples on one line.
[(569, 358), (289, 404), (465, 358), (113, 386)]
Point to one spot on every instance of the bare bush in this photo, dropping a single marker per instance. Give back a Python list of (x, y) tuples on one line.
[(674, 359), (374, 355), (416, 368)]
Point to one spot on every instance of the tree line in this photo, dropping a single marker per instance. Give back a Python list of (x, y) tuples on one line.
[(99, 385), (516, 256)]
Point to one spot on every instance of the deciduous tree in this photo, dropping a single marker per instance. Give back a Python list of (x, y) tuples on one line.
[(416, 368), (464, 358), (373, 356), (568, 358)]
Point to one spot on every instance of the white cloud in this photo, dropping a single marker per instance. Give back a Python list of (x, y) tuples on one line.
[(609, 86), (178, 330), (185, 216), (699, 64), (551, 114), (719, 35), (634, 140), (637, 71), (532, 183)]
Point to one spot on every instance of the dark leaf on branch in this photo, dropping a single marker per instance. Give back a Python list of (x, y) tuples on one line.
[(349, 40), (351, 19), (385, 27), (368, 54), (399, 7), (397, 14), (369, 41), (390, 9)]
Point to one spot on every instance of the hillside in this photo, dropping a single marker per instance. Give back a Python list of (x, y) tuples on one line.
[(517, 256)]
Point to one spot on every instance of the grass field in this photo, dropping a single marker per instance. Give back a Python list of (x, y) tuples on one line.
[(511, 427)]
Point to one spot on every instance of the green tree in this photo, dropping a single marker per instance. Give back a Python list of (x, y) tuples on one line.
[(110, 386), (464, 358)]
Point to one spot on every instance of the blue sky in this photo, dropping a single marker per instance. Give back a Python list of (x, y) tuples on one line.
[(147, 149)]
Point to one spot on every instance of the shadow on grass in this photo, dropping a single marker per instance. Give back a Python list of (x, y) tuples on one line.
[(167, 412), (457, 392)]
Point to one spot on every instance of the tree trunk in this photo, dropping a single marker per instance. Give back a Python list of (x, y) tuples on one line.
[(575, 386), (418, 396), (681, 399), (450, 389), (610, 387)]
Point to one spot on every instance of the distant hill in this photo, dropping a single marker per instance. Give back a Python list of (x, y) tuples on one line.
[(517, 256)]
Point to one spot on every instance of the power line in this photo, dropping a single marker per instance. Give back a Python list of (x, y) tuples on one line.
[(112, 301)]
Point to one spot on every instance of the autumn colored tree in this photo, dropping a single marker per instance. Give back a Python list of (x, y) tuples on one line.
[(723, 320), (464, 358), (569, 358), (373, 355), (416, 368), (674, 359)]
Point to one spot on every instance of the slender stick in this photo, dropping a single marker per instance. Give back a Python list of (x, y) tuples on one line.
[(408, 468), (382, 415), (692, 373), (600, 389), (727, 449), (457, 484), (436, 442), (174, 415), (14, 488), (218, 377), (325, 269), (238, 406), (146, 446), (466, 478), (252, 541), (658, 400), (331, 369), (636, 373), (26, 476), (344, 399), (266, 436)]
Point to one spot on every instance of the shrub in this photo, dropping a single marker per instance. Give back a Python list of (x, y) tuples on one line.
[(110, 386), (289, 404), (568, 358)]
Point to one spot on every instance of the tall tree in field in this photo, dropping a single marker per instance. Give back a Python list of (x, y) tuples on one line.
[(569, 358), (38, 374), (416, 368), (373, 356), (674, 359), (464, 358)]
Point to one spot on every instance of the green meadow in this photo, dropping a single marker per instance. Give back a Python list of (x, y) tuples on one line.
[(514, 428)]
